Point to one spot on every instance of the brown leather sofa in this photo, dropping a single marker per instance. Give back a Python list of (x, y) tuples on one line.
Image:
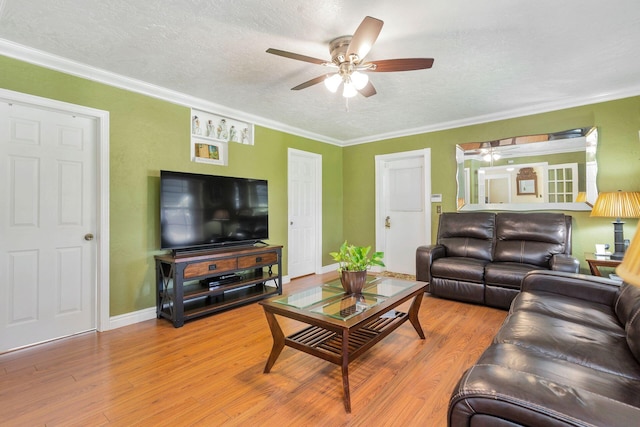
[(568, 354), (481, 257)]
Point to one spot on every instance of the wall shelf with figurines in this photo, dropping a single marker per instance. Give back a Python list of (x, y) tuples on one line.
[(211, 134)]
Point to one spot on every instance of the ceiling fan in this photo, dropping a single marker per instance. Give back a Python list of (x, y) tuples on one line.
[(347, 55)]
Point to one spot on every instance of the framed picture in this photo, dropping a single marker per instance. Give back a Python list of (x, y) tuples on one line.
[(211, 152), (527, 182)]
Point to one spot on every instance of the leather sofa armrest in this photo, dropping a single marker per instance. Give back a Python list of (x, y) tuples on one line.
[(425, 255), (564, 262), (581, 286)]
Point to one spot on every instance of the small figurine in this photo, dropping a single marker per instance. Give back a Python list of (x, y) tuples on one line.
[(195, 125), (232, 134), (245, 136), (211, 129), (222, 130)]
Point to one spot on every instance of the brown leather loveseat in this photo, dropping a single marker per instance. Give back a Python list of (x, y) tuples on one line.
[(481, 257), (568, 354)]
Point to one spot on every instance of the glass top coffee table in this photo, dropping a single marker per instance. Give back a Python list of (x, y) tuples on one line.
[(343, 327)]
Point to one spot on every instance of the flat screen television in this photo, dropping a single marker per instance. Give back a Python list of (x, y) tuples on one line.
[(208, 211)]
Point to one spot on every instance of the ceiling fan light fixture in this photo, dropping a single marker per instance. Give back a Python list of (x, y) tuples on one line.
[(359, 79), (349, 90), (347, 55), (333, 82)]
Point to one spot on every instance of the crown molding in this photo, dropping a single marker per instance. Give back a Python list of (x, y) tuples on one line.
[(67, 66), (58, 63), (503, 115)]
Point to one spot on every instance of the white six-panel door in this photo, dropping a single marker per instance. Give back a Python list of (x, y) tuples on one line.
[(47, 222), (304, 200)]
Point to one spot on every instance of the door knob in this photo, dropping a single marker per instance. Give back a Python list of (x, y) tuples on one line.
[(88, 237), (387, 222)]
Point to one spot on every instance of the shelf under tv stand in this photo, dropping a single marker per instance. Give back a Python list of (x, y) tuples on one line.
[(181, 296)]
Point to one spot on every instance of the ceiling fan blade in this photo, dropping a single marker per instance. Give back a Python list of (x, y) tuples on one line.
[(406, 64), (296, 56), (312, 82), (365, 36), (368, 90)]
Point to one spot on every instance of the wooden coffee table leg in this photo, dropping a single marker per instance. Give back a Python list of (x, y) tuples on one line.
[(413, 314), (345, 370), (278, 340)]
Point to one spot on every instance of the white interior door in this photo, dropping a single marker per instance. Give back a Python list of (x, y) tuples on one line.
[(498, 188), (305, 204), (404, 208), (47, 221)]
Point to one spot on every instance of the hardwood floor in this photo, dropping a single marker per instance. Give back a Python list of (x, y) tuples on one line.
[(209, 372)]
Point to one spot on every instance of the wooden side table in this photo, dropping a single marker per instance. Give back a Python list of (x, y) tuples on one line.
[(596, 261)]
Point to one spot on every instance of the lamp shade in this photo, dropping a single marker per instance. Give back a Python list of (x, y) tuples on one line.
[(617, 204), (629, 269)]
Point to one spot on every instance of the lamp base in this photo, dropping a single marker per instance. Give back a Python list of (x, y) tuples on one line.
[(617, 255), (618, 239)]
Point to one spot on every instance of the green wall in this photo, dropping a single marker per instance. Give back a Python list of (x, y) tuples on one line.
[(147, 135), (618, 158)]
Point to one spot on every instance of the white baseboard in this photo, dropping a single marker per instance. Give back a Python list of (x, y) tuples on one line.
[(134, 317), (329, 268)]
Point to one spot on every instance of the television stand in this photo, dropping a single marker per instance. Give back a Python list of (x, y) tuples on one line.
[(180, 295)]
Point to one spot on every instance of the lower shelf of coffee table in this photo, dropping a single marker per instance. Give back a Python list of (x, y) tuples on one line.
[(327, 344)]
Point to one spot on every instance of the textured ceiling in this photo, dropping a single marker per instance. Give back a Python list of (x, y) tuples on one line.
[(493, 58)]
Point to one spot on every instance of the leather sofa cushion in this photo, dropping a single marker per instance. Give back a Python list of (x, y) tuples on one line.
[(507, 274), (571, 341), (468, 234), (562, 374), (457, 289), (530, 238), (590, 313), (517, 358), (459, 268), (495, 396)]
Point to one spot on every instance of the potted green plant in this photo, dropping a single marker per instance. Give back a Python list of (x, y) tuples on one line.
[(353, 263)]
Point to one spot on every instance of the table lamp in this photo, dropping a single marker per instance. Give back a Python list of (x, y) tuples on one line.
[(618, 204), (629, 269)]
